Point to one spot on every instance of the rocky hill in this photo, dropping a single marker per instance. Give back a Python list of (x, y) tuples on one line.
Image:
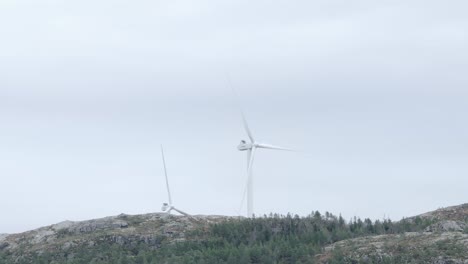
[(445, 240), (69, 237), (439, 237)]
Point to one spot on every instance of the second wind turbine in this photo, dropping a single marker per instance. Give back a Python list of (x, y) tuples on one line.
[(251, 148)]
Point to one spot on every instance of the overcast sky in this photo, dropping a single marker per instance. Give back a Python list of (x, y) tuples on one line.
[(374, 93)]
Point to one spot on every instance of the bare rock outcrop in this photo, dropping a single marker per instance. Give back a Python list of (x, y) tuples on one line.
[(447, 226)]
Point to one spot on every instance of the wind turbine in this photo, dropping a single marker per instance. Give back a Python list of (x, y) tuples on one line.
[(168, 207), (251, 148)]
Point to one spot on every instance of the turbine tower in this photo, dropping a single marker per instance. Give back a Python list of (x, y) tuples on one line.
[(251, 148), (168, 207)]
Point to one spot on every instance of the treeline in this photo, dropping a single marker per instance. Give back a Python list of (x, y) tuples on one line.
[(279, 239), (268, 239)]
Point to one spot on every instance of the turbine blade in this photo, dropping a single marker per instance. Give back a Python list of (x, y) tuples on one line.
[(247, 129), (246, 125), (268, 146), (252, 156), (181, 212), (249, 155), (167, 180)]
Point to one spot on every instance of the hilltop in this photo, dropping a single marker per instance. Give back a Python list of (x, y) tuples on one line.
[(440, 236)]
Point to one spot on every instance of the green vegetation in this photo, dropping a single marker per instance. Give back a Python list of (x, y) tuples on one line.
[(268, 239)]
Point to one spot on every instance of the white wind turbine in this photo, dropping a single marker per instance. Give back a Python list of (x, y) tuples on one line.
[(168, 207), (251, 148)]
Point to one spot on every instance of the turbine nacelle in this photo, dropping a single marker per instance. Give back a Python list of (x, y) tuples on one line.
[(165, 207), (243, 146)]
